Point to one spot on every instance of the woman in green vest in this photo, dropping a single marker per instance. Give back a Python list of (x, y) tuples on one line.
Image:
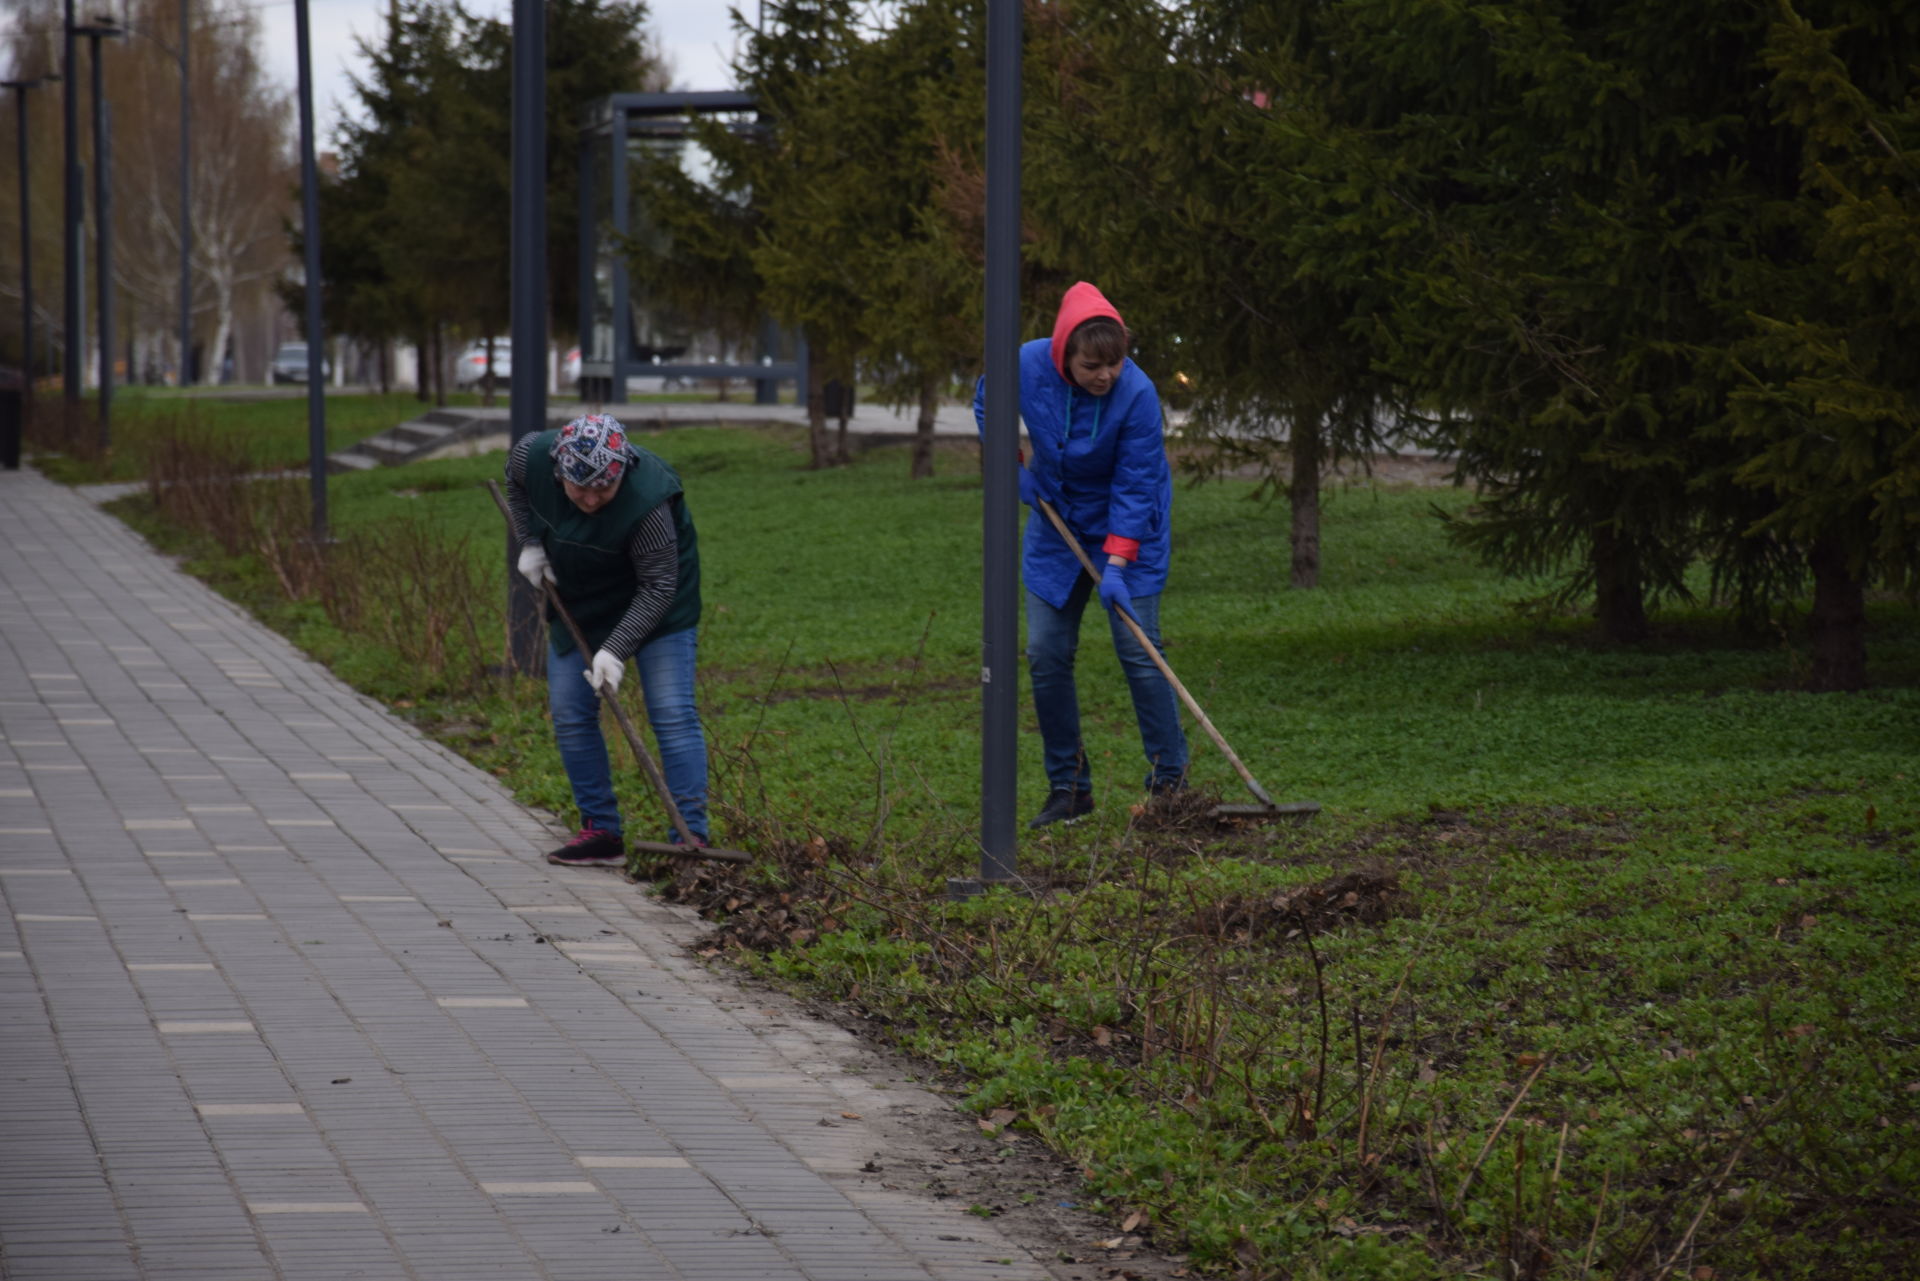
[(606, 523)]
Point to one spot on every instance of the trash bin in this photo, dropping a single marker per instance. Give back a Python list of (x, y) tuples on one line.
[(837, 399), (12, 409)]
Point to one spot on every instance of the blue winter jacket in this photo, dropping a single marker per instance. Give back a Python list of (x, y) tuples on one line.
[(1100, 460)]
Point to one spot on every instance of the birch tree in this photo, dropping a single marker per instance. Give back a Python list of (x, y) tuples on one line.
[(241, 162)]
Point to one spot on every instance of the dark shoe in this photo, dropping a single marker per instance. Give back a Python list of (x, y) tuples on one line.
[(1064, 805), (592, 848), (1166, 786)]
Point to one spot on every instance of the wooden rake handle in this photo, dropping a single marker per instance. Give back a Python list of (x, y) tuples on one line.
[(1153, 652)]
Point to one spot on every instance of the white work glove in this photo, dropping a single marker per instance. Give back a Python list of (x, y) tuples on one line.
[(534, 568), (605, 673)]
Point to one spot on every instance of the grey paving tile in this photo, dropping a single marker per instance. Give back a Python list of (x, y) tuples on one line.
[(246, 783)]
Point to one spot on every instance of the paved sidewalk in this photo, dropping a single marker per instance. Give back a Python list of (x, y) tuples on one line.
[(287, 994)]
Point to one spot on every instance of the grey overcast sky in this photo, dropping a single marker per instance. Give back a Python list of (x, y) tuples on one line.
[(697, 36)]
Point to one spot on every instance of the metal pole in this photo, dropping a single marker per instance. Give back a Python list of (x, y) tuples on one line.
[(26, 244), (75, 213), (310, 241), (1000, 654), (102, 241), (186, 205), (528, 263), (585, 259), (620, 174)]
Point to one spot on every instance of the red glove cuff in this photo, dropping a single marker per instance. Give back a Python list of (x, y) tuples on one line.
[(1118, 546)]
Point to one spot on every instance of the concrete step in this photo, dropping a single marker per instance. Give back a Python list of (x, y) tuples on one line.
[(388, 447), (421, 432), (347, 460)]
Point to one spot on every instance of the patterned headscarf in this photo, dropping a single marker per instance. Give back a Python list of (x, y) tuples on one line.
[(591, 451)]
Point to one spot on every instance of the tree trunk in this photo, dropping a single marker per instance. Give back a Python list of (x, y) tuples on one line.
[(386, 368), (216, 361), (486, 379), (1303, 494), (439, 366), (923, 430), (1839, 620), (818, 444), (1618, 601), (422, 363)]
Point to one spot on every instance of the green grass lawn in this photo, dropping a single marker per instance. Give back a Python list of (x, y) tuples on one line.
[(1597, 963)]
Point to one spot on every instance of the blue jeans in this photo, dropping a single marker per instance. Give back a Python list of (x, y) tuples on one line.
[(1053, 635), (666, 667)]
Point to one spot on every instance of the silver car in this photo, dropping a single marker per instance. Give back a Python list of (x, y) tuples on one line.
[(290, 364)]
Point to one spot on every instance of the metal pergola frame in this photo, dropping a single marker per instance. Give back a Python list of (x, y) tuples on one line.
[(609, 125)]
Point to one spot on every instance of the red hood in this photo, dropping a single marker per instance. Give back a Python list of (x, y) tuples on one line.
[(1082, 303)]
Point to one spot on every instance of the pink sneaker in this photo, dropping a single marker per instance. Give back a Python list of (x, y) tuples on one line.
[(592, 848)]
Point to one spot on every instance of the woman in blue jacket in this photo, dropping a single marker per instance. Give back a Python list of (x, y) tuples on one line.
[(1099, 458)]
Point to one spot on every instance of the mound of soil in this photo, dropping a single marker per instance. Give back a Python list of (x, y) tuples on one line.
[(1355, 898)]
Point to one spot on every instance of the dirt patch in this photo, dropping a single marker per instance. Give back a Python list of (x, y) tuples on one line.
[(1356, 898), (785, 901)]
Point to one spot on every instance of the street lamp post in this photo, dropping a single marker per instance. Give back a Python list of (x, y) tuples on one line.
[(186, 207), (95, 31), (528, 264), (999, 461), (310, 242), (73, 213), (20, 88)]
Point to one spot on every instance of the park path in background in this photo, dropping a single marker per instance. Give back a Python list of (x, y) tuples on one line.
[(288, 993)]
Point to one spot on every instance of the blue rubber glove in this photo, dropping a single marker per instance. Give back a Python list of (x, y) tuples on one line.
[(1113, 588)]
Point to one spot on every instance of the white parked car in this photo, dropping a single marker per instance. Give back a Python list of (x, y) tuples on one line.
[(290, 364), (470, 367)]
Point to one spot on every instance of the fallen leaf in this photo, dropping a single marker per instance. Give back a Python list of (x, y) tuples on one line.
[(1003, 1116), (851, 1116), (1802, 1029), (1102, 1037), (1702, 1273), (1133, 1221), (1112, 1243), (1872, 816), (1427, 1074)]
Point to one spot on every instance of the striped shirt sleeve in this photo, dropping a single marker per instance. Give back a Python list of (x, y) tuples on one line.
[(654, 551), (519, 506)]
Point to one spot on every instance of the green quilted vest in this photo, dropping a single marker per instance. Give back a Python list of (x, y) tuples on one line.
[(589, 553)]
